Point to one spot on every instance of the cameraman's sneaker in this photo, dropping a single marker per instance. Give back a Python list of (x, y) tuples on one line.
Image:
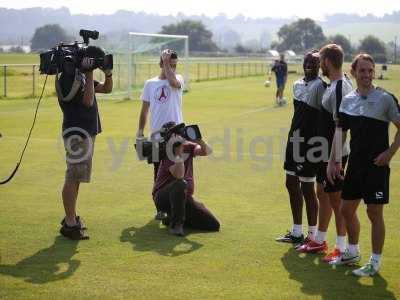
[(290, 238), (79, 222), (74, 232), (346, 258), (366, 270)]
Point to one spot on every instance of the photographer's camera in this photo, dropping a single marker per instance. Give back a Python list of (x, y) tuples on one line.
[(155, 148)]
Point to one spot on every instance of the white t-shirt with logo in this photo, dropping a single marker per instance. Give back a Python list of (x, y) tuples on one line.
[(165, 101)]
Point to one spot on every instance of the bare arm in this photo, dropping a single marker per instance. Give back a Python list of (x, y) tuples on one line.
[(169, 72), (88, 94), (384, 158), (202, 149), (143, 117), (106, 86), (178, 168), (335, 160)]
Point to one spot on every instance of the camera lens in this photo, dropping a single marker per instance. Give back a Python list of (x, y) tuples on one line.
[(191, 133)]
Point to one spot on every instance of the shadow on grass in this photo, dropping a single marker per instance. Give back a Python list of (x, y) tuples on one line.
[(151, 238), (49, 264), (320, 279)]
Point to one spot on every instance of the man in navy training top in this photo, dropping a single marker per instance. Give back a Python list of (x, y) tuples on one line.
[(281, 71)]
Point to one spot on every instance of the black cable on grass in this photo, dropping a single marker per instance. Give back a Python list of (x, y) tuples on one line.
[(29, 136)]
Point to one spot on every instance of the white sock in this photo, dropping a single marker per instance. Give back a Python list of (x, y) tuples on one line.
[(320, 237), (312, 230), (297, 230), (354, 249), (375, 260), (341, 243)]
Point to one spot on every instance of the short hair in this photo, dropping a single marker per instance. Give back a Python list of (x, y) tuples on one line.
[(312, 52), (334, 53), (313, 56), (362, 56)]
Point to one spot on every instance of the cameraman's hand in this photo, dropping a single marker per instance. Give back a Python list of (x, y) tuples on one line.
[(87, 64), (106, 72)]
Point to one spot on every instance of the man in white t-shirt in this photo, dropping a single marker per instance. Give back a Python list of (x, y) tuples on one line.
[(162, 96)]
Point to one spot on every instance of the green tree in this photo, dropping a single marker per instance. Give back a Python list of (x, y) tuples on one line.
[(300, 35), (16, 49), (344, 42), (48, 36), (375, 47), (239, 48), (200, 38)]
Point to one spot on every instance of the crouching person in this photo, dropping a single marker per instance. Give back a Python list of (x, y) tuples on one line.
[(174, 186)]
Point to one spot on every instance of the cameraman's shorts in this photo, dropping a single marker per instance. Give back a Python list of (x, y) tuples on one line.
[(78, 155)]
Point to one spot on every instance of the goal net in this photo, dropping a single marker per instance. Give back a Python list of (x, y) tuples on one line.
[(136, 59)]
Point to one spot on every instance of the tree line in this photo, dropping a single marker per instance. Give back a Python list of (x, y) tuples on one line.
[(299, 36)]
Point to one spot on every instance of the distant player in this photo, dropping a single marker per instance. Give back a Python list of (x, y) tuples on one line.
[(367, 113), (329, 196), (300, 172), (281, 71)]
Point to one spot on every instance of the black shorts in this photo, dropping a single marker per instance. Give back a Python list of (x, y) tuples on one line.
[(322, 178), (370, 183), (305, 170)]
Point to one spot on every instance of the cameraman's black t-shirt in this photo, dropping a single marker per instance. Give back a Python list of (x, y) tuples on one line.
[(76, 114)]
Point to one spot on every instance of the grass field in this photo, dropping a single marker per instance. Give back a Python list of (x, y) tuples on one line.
[(131, 256)]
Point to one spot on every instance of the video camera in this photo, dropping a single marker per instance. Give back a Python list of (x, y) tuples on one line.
[(155, 149), (54, 60)]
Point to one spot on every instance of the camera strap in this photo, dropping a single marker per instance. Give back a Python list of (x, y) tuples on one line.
[(79, 82)]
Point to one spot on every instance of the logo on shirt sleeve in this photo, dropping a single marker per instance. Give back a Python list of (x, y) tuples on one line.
[(162, 93)]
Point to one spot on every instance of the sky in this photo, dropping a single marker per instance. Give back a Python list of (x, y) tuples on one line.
[(231, 8)]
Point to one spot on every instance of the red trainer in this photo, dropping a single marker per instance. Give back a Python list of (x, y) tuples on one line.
[(306, 240), (332, 256), (313, 247)]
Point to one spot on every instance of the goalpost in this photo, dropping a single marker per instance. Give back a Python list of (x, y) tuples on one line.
[(143, 53)]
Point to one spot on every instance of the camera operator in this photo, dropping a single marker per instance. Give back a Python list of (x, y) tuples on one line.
[(81, 124), (174, 186)]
